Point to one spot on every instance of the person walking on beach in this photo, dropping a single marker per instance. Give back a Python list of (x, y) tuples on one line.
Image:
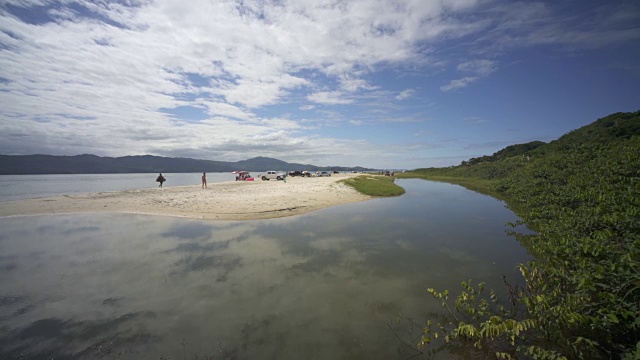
[(204, 180), (161, 179)]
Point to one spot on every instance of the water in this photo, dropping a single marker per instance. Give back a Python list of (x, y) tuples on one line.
[(15, 187), (325, 285)]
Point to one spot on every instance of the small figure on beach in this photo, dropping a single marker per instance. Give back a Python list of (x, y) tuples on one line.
[(160, 179), (204, 180)]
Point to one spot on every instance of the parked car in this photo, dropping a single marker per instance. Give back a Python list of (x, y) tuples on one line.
[(243, 176), (278, 175), (306, 173), (295, 173), (322, 173), (336, 172)]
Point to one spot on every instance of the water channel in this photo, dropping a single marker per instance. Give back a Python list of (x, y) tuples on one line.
[(325, 285)]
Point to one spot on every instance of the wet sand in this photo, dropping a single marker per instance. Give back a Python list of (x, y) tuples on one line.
[(236, 200)]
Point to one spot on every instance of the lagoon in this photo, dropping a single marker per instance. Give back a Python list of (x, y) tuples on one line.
[(324, 285)]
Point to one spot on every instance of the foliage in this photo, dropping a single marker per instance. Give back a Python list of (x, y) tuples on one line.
[(607, 129), (508, 152), (517, 150), (374, 185), (581, 194)]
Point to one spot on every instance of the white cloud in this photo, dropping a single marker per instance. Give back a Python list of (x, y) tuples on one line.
[(458, 83), (98, 77), (217, 108), (477, 68), (329, 98), (422, 133), (405, 94), (249, 51), (474, 120), (480, 67), (351, 84)]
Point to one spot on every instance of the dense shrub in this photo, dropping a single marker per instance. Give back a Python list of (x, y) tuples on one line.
[(581, 195)]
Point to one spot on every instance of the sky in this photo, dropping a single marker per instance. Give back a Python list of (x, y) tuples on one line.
[(385, 84)]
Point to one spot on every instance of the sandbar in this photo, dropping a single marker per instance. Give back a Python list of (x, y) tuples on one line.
[(233, 200)]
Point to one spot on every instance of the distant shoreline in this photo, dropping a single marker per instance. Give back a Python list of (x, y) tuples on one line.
[(86, 164), (221, 201)]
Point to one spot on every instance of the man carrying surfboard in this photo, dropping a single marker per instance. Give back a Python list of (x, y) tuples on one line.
[(161, 179)]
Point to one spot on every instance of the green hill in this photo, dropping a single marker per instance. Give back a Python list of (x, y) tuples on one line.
[(609, 128), (581, 194), (508, 152), (613, 129)]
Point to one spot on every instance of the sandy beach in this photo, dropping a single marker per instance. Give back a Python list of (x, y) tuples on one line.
[(235, 200)]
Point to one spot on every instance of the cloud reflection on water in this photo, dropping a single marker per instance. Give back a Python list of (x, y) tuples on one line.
[(320, 285)]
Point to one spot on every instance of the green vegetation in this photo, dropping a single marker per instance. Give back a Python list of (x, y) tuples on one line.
[(374, 185), (509, 151), (581, 194)]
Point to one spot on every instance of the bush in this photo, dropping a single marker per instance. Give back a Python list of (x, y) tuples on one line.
[(581, 195)]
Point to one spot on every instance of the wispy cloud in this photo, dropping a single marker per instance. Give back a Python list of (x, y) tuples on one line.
[(521, 24), (405, 94), (477, 69), (422, 133), (474, 120), (330, 98), (458, 83), (481, 67), (350, 84)]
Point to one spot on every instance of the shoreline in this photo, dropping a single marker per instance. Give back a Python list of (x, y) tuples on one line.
[(233, 200)]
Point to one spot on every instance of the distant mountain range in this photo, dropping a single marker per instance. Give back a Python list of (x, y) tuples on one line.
[(92, 164)]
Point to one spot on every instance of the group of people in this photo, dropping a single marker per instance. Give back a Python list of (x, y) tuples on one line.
[(162, 179)]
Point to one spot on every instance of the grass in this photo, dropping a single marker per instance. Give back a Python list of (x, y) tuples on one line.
[(374, 185)]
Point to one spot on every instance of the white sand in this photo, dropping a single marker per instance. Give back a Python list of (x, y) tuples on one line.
[(241, 200)]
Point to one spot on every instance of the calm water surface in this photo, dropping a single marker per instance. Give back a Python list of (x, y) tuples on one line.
[(15, 187), (318, 286)]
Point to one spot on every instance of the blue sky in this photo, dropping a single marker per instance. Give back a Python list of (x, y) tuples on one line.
[(375, 83)]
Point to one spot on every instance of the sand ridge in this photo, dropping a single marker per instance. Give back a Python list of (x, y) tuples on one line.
[(234, 200)]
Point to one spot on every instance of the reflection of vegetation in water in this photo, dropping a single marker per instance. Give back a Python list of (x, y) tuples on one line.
[(581, 194), (374, 185)]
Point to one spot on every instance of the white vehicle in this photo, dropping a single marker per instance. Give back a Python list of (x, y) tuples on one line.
[(323, 173), (278, 175)]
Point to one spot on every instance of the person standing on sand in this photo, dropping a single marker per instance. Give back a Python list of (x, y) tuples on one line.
[(161, 179), (204, 180)]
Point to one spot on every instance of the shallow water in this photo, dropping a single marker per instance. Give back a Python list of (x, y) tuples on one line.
[(325, 285), (16, 187)]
